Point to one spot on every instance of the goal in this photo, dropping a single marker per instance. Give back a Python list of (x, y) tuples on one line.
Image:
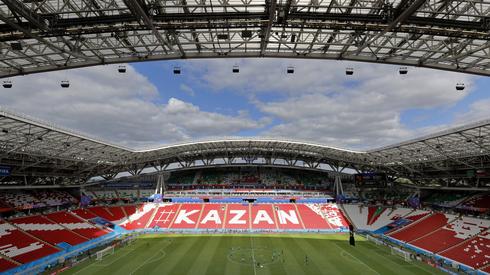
[(398, 252), (374, 240), (104, 252)]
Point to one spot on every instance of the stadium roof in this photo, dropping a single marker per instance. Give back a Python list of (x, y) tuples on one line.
[(38, 36), (33, 149)]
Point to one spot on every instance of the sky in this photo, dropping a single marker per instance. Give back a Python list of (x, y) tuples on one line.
[(149, 106)]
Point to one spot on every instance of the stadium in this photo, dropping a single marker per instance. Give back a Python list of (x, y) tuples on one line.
[(264, 137)]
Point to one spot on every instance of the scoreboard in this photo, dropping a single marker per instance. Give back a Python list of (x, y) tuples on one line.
[(5, 170), (370, 179)]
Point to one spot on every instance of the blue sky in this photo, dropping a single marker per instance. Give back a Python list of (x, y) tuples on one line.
[(149, 105)]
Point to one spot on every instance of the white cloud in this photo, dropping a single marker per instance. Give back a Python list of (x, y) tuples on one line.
[(269, 75), (478, 111), (118, 107), (320, 103), (186, 89)]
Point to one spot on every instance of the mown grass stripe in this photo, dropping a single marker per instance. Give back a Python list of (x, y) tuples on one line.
[(208, 255)]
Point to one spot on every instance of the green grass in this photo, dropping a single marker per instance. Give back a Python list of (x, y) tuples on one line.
[(233, 254)]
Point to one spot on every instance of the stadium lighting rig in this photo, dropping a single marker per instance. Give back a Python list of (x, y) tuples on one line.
[(121, 69), (177, 70), (7, 84), (65, 84)]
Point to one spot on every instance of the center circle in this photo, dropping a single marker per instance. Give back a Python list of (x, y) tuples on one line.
[(259, 256)]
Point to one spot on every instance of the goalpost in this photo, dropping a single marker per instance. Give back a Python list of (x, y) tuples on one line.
[(398, 252), (104, 252), (374, 240)]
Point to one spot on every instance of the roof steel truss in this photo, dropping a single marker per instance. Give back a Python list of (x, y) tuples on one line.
[(38, 149), (60, 34)]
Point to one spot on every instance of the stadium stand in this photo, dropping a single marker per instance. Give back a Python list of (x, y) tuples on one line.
[(372, 218), (287, 217), (187, 216), (102, 212), (116, 212), (128, 194), (6, 264), (145, 193), (140, 218), (248, 177), (422, 227), (417, 214), (478, 203), (20, 199), (77, 225), (111, 213), (47, 230), (237, 216), (55, 197), (262, 216), (312, 217), (84, 213), (106, 195), (212, 216), (473, 252), (130, 209), (21, 247), (452, 234), (164, 215), (445, 199), (4, 207), (332, 214)]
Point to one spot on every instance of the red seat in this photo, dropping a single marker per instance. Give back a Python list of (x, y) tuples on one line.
[(102, 212), (187, 216), (117, 213), (263, 217), (84, 213), (452, 234), (164, 215), (416, 217), (333, 215), (417, 230), (47, 230), (237, 216), (474, 252), (212, 216), (287, 216), (438, 240), (77, 225), (6, 265), (312, 219), (130, 209), (21, 247), (139, 218)]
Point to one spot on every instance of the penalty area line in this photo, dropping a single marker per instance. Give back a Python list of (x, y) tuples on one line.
[(97, 264), (253, 254), (150, 260), (360, 261)]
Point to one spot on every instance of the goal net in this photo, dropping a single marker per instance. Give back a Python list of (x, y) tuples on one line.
[(374, 240), (398, 252), (104, 252)]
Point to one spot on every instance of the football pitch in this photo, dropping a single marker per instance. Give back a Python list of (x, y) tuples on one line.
[(251, 255)]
